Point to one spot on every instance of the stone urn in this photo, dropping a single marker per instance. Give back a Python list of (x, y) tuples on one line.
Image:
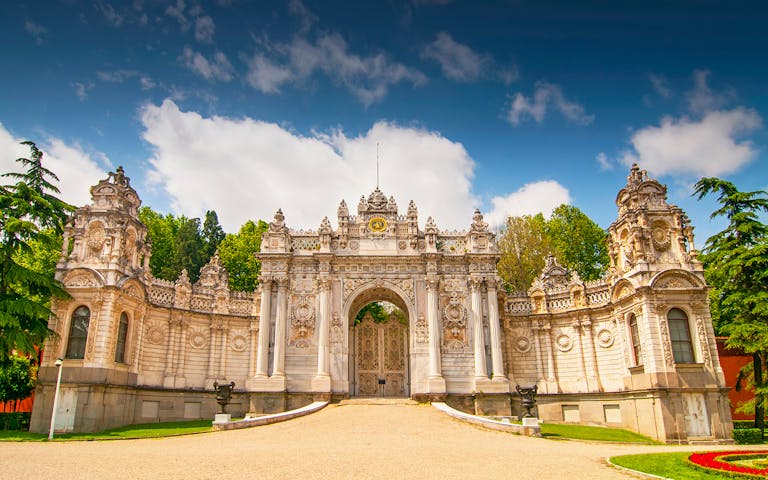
[(527, 398), (223, 394)]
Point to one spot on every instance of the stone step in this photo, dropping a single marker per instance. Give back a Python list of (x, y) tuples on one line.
[(378, 401)]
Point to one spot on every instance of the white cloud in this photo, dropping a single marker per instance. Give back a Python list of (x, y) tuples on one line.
[(146, 83), (265, 75), (537, 197), (120, 76), (303, 13), (546, 96), (177, 12), (702, 99), (247, 169), (81, 89), (204, 29), (368, 78), (77, 169), (705, 147), (602, 160), (459, 62), (37, 31), (660, 85), (110, 14), (218, 68)]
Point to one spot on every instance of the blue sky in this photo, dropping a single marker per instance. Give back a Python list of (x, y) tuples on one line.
[(512, 107)]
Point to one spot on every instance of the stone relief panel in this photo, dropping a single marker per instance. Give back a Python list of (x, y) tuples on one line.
[(302, 320), (197, 337), (421, 331), (238, 340), (455, 323)]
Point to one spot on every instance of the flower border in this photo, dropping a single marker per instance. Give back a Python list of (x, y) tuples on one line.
[(718, 461)]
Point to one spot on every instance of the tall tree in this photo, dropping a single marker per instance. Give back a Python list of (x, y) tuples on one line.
[(28, 210), (237, 253), (579, 243), (524, 246), (17, 379), (177, 243), (213, 234), (736, 264)]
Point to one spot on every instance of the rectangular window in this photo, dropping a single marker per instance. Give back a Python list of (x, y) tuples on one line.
[(122, 332), (637, 352), (680, 335)]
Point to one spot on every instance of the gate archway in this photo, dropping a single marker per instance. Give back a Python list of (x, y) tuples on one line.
[(378, 353)]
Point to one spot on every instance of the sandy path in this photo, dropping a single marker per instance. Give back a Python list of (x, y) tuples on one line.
[(339, 442)]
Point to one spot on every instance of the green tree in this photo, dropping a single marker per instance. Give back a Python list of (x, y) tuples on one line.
[(736, 265), (177, 243), (237, 253), (377, 311), (28, 209), (213, 234), (578, 242), (524, 246), (17, 379)]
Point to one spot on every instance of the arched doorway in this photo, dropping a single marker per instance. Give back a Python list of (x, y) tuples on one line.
[(378, 354)]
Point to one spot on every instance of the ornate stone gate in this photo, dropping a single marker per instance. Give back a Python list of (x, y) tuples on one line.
[(444, 281)]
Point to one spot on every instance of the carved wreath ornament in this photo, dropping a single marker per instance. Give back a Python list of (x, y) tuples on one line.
[(455, 315)]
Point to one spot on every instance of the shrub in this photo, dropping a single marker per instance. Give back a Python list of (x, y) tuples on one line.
[(748, 436), (14, 420)]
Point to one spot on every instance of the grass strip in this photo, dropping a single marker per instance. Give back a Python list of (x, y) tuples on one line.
[(144, 430), (587, 432)]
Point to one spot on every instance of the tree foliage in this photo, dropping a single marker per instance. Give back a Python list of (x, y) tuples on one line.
[(17, 379), (237, 253), (736, 265), (570, 235), (177, 244), (213, 233), (30, 215), (524, 246), (578, 242)]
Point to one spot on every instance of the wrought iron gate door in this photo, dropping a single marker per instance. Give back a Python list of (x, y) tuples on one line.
[(381, 366)]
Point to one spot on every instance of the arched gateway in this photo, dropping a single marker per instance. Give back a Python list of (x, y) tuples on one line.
[(635, 349), (444, 282)]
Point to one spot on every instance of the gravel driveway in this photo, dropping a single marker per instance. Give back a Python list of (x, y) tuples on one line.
[(345, 441)]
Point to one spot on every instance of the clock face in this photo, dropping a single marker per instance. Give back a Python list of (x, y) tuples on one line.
[(377, 224)]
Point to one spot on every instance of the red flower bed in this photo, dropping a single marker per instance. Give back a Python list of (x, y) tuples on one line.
[(718, 461)]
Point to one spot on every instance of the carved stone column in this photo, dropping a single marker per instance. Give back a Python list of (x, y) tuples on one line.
[(322, 381), (436, 381), (278, 370), (212, 351), (253, 351), (262, 360), (223, 351), (497, 361), (481, 372)]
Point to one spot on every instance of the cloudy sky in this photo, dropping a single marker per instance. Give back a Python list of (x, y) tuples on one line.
[(509, 106)]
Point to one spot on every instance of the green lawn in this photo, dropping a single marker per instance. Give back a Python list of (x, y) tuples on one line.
[(585, 432), (668, 465), (145, 430)]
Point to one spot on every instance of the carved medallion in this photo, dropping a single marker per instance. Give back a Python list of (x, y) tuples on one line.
[(522, 344), (564, 343), (605, 338), (377, 224)]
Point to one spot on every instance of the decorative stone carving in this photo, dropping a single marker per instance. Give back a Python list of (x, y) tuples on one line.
[(564, 343), (455, 322), (605, 337), (155, 333), (238, 340), (522, 344), (421, 332), (302, 321), (666, 343), (197, 337)]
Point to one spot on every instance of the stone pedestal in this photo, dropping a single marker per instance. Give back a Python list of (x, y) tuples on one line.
[(222, 418), (436, 385), (275, 383), (530, 422), (497, 385), (321, 384)]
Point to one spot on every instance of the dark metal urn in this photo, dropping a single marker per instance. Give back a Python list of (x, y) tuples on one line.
[(223, 394), (527, 398)]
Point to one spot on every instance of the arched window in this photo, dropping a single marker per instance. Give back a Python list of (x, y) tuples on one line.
[(634, 332), (680, 334), (78, 332), (122, 332)]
